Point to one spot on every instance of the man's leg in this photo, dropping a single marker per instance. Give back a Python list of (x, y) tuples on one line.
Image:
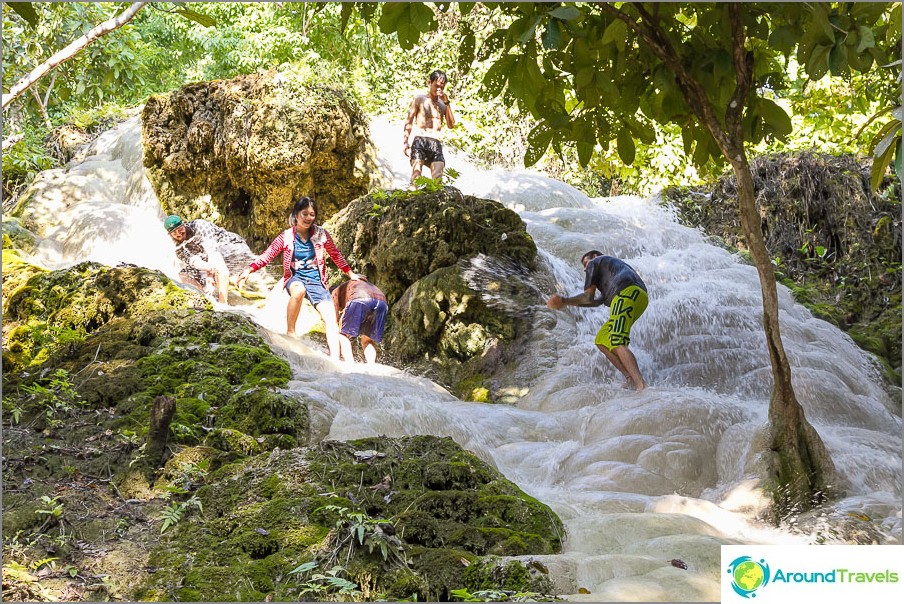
[(436, 169), (629, 362), (370, 349), (417, 166), (615, 360)]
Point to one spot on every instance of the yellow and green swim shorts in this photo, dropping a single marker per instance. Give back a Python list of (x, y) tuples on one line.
[(626, 308)]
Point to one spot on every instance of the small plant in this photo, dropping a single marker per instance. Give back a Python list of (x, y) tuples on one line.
[(176, 511), (358, 529), (495, 595), (56, 398), (13, 410), (54, 509), (327, 584)]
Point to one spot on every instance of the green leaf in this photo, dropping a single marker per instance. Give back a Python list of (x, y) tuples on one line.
[(625, 142), (838, 63), (565, 13), (585, 152), (497, 75), (552, 35), (818, 64), (26, 11), (537, 142), (528, 34), (821, 21), (784, 38), (775, 117), (307, 566), (196, 17), (345, 15), (407, 20), (881, 162), (867, 40), (616, 32), (466, 52)]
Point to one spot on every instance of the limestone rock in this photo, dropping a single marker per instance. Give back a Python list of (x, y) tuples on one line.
[(411, 245), (239, 152)]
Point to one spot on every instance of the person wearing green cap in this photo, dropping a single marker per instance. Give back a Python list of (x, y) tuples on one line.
[(207, 253)]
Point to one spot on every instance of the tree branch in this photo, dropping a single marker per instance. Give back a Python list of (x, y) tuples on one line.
[(70, 51), (743, 64)]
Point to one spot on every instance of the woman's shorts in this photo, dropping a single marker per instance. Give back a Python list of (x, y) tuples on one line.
[(314, 290), (626, 308), (371, 313)]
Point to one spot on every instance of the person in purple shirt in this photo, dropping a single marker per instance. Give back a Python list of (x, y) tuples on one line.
[(621, 288), (363, 308)]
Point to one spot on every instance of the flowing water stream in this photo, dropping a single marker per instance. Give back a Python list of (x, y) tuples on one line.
[(639, 479)]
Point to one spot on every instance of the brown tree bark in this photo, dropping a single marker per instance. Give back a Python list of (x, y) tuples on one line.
[(70, 51)]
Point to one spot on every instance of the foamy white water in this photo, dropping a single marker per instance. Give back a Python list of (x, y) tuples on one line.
[(638, 479)]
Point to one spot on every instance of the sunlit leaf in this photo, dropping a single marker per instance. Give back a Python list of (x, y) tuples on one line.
[(196, 17)]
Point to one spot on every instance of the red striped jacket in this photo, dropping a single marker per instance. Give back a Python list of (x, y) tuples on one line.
[(285, 243)]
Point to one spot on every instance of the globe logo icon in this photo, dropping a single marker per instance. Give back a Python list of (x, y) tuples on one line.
[(748, 575)]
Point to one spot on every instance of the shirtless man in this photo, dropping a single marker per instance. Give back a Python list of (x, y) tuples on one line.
[(422, 128)]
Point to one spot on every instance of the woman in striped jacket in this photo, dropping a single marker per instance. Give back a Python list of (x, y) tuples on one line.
[(305, 246)]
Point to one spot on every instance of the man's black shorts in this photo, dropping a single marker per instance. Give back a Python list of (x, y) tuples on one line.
[(427, 150)]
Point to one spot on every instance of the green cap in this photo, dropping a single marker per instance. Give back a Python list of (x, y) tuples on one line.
[(172, 222)]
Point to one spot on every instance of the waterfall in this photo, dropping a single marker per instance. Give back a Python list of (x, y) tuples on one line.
[(639, 479)]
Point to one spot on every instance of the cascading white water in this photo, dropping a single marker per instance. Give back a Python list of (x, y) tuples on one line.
[(638, 478)]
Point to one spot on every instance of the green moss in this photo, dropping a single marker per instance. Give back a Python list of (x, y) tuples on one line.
[(513, 575), (472, 388)]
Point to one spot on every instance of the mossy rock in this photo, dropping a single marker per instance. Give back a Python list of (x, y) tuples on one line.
[(270, 513), (414, 247), (415, 233), (59, 308)]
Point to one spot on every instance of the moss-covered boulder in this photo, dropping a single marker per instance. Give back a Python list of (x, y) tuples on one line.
[(239, 152), (413, 246), (835, 242), (399, 516), (53, 308), (398, 237)]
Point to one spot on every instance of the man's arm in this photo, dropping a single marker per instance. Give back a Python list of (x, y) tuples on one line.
[(409, 123), (447, 113), (586, 298)]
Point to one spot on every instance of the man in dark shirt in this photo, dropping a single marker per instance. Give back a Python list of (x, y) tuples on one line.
[(363, 308), (626, 294)]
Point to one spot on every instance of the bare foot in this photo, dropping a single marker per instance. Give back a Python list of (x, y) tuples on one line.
[(290, 334)]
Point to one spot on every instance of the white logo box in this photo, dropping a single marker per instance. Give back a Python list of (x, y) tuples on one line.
[(773, 574)]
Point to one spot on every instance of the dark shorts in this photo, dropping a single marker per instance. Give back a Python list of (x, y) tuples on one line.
[(356, 311), (314, 290), (427, 150)]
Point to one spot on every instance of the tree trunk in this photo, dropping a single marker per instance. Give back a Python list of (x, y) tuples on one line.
[(800, 466), (70, 51)]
